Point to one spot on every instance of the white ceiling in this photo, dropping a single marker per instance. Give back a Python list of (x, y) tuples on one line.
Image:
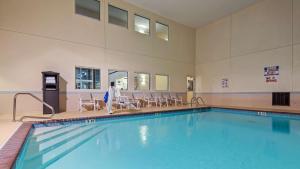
[(194, 13)]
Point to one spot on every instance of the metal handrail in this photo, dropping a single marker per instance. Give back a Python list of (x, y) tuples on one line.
[(38, 99), (196, 99), (201, 100)]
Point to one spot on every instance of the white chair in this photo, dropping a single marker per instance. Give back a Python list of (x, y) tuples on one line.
[(174, 97), (161, 100), (87, 102), (149, 99), (134, 103), (125, 101), (144, 99), (167, 97)]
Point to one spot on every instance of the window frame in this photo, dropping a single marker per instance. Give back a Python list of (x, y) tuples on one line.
[(99, 13), (127, 25), (149, 25), (149, 89), (168, 85), (157, 22), (118, 71), (93, 80)]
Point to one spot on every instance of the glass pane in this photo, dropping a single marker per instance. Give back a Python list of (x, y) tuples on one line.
[(78, 85), (89, 8), (120, 78), (86, 85), (97, 79), (162, 31), (77, 73), (161, 82), (86, 74), (141, 24), (117, 16), (141, 81)]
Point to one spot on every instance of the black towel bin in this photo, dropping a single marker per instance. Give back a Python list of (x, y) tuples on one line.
[(51, 91)]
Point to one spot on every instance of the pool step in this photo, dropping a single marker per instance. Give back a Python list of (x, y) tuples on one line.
[(57, 150), (45, 130), (40, 148), (57, 133), (44, 146), (62, 148), (57, 154)]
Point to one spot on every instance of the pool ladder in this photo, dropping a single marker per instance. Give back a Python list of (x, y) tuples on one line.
[(197, 101), (36, 98)]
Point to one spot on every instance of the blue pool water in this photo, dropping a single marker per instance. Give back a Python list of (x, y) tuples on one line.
[(214, 139)]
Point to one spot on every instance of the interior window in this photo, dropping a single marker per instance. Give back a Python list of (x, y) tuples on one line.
[(87, 78), (141, 24), (117, 16), (161, 82), (162, 31), (141, 81), (89, 8), (120, 78)]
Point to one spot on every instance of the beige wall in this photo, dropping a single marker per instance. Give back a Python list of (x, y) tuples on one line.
[(239, 46), (40, 35)]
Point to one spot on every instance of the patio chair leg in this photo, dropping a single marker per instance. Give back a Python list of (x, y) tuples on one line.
[(80, 109)]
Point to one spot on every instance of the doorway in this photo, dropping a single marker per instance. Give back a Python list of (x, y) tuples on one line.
[(190, 84)]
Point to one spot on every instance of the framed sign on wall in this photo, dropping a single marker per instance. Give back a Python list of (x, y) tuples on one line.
[(271, 74), (224, 83)]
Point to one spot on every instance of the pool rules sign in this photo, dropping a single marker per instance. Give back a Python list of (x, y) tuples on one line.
[(271, 74)]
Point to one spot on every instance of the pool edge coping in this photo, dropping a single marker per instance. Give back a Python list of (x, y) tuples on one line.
[(108, 116), (257, 109), (10, 151)]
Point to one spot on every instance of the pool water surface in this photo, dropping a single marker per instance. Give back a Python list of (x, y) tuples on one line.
[(214, 139)]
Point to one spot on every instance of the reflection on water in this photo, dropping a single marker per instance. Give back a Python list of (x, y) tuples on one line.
[(144, 134), (281, 125)]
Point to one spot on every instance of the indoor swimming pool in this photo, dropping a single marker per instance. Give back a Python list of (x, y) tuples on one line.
[(190, 139)]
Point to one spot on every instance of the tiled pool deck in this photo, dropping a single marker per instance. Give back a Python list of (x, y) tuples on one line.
[(18, 131)]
